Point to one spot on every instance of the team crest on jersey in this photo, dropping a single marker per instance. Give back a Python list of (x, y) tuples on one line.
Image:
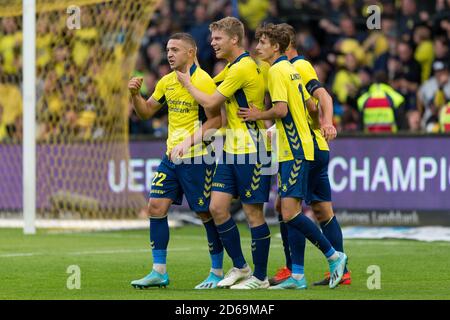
[(248, 193), (201, 202), (284, 188)]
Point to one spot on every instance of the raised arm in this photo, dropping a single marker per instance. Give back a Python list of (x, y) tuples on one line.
[(208, 101), (144, 109)]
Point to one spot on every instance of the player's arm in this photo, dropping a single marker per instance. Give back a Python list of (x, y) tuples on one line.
[(326, 107), (208, 101), (315, 88), (144, 109), (252, 113)]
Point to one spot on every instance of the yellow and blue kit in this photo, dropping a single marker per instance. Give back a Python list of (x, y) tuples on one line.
[(295, 145), (319, 189), (241, 83), (192, 177)]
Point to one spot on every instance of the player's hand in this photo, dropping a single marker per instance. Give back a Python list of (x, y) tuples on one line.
[(249, 114), (328, 131), (184, 77), (134, 85), (179, 151)]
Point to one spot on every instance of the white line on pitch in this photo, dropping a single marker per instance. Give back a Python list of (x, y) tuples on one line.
[(80, 253)]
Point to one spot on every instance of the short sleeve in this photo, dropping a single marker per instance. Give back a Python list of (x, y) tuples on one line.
[(160, 91), (277, 87), (205, 84), (233, 81), (305, 92), (309, 77)]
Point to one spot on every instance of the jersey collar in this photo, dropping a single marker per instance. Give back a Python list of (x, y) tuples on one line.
[(245, 54), (192, 69), (281, 58), (297, 58)]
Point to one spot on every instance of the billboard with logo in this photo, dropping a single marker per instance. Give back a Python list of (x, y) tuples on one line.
[(382, 180)]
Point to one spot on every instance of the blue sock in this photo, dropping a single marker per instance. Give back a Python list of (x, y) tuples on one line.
[(159, 239), (214, 244), (284, 238), (332, 230), (298, 269), (297, 244), (260, 249), (231, 241), (312, 233)]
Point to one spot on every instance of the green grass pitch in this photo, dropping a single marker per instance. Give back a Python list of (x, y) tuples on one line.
[(35, 267)]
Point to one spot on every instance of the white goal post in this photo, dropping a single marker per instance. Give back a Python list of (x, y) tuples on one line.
[(29, 115)]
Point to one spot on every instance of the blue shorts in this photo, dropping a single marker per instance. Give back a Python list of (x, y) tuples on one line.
[(293, 179), (319, 189), (242, 180), (193, 180)]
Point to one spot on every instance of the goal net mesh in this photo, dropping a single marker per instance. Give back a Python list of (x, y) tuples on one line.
[(85, 54)]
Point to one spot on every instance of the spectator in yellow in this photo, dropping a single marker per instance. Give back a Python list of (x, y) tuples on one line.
[(3, 130), (434, 94), (11, 100), (424, 53), (10, 44), (253, 12), (346, 83)]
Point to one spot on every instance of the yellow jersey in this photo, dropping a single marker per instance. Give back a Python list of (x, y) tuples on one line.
[(294, 135), (242, 82), (311, 81), (185, 115)]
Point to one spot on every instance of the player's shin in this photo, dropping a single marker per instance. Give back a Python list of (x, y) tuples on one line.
[(159, 239), (297, 243), (333, 232), (231, 240), (284, 237), (215, 247), (313, 234), (260, 250)]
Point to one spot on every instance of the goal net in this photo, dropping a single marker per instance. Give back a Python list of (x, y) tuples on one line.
[(85, 54)]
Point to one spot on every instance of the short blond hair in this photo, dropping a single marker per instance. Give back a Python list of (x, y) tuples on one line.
[(231, 26)]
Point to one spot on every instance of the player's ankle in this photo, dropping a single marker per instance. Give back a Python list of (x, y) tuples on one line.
[(298, 276), (217, 272), (160, 268)]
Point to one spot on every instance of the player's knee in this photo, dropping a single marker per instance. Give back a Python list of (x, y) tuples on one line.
[(255, 217), (218, 212), (155, 209), (322, 213)]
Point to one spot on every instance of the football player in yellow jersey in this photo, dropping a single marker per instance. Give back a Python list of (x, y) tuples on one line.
[(295, 154), (184, 169), (240, 171), (319, 190)]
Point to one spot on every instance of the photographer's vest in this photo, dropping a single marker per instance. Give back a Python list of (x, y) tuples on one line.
[(377, 106)]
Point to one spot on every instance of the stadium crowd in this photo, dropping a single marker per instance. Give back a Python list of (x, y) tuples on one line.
[(408, 55)]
